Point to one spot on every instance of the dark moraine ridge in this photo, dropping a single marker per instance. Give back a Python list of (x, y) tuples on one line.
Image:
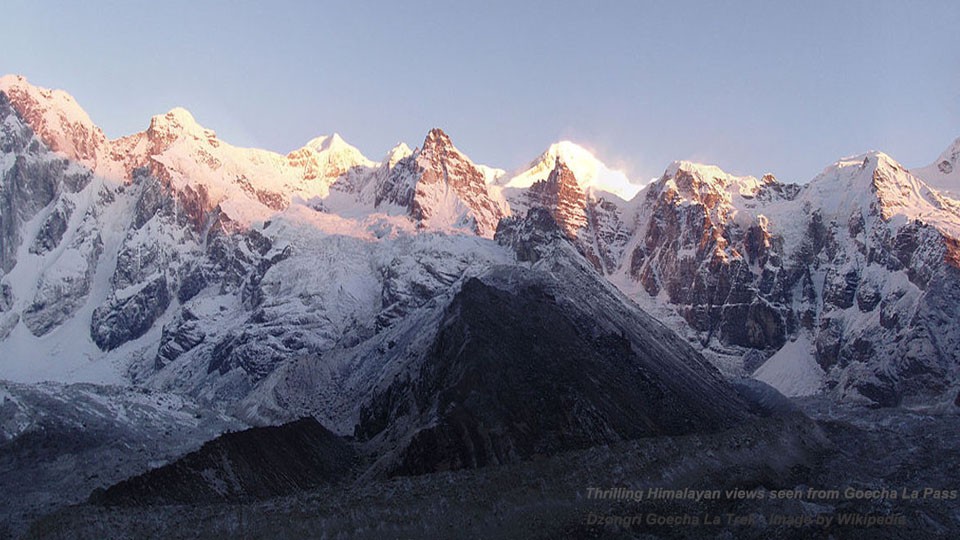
[(256, 463)]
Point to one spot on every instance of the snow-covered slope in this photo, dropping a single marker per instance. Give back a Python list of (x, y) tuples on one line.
[(793, 370), (944, 173)]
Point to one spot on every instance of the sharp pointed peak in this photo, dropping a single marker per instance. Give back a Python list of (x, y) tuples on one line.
[(328, 143), (574, 155), (436, 137), (395, 154), (334, 150), (400, 148), (559, 163), (20, 90), (590, 172), (438, 144), (19, 82), (436, 133)]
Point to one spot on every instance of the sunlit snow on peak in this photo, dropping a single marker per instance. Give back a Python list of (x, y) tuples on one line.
[(398, 152), (589, 171), (179, 121), (328, 142)]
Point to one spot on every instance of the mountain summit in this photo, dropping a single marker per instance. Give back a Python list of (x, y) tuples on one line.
[(590, 172), (944, 173), (56, 118), (442, 188)]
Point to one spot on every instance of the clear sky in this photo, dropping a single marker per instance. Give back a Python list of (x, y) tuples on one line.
[(784, 87)]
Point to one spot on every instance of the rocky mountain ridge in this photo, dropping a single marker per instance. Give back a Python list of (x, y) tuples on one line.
[(173, 259)]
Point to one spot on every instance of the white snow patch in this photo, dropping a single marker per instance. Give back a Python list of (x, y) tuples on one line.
[(792, 370)]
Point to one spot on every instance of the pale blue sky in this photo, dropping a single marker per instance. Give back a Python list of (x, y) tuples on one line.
[(784, 87)]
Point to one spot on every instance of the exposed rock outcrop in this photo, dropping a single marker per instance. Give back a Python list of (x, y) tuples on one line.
[(441, 187)]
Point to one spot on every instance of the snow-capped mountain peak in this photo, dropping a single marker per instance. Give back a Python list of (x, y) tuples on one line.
[(177, 123), (398, 152), (710, 178), (328, 142), (875, 180), (178, 242), (336, 156), (699, 177), (334, 145), (56, 118), (847, 183), (442, 188), (437, 146), (437, 137), (589, 171), (723, 195), (944, 173)]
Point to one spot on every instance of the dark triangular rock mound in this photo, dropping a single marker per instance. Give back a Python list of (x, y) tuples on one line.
[(252, 464)]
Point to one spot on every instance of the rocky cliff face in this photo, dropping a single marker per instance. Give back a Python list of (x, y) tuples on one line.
[(594, 220), (441, 187), (697, 248), (39, 193), (561, 195), (848, 262)]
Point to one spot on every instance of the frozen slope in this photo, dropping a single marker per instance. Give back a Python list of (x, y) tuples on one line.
[(944, 173)]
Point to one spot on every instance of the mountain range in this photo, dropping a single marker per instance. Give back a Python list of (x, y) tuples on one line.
[(436, 314), (173, 249)]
